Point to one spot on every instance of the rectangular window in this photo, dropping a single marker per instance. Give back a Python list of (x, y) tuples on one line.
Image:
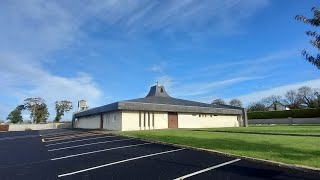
[(153, 119), (148, 119), (144, 119), (140, 119)]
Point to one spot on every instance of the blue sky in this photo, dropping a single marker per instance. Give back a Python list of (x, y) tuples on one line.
[(105, 51)]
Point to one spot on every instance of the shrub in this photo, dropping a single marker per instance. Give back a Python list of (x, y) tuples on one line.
[(28, 129), (296, 113)]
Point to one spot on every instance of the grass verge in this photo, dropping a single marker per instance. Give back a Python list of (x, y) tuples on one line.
[(284, 129), (287, 149)]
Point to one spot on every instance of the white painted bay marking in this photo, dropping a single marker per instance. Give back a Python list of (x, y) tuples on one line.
[(58, 132), (102, 150), (118, 162), (207, 169), (66, 134), (78, 140), (89, 144)]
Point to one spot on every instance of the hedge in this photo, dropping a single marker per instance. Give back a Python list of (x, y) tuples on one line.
[(296, 113)]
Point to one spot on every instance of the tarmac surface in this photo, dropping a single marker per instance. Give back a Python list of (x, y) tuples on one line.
[(71, 154)]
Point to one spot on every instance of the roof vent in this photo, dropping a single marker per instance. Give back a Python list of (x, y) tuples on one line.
[(157, 91)]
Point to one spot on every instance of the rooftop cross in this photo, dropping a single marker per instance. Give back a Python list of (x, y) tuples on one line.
[(157, 83)]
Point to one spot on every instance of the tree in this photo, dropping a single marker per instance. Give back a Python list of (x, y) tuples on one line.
[(34, 105), (308, 96), (61, 108), (256, 106), (235, 102), (15, 115), (218, 102), (271, 100), (315, 22), (41, 114), (293, 99)]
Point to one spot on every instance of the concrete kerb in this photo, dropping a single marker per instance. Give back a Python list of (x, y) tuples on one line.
[(269, 162)]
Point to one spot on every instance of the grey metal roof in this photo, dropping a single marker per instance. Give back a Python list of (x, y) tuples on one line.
[(158, 100)]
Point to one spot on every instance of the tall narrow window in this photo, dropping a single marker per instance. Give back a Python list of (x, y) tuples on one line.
[(148, 119), (140, 119), (144, 119), (153, 120)]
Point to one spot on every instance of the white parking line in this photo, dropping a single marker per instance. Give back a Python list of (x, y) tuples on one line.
[(207, 169), (92, 152), (89, 144), (78, 140), (58, 132), (118, 162), (64, 134)]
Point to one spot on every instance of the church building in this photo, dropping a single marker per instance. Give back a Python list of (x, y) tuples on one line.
[(158, 110)]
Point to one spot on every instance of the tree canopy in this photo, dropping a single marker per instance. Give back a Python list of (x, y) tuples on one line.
[(62, 107), (315, 41), (235, 102), (15, 115), (38, 109), (218, 101)]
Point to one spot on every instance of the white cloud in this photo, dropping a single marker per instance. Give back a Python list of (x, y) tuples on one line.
[(160, 67), (280, 90), (178, 89), (23, 80), (166, 81)]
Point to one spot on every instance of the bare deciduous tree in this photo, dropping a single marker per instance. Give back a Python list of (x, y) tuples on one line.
[(293, 99), (218, 101), (308, 96), (256, 106), (235, 102)]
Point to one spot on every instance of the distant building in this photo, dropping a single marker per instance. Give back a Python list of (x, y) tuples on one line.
[(159, 111), (277, 106)]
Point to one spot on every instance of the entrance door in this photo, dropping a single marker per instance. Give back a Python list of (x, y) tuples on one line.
[(172, 120)]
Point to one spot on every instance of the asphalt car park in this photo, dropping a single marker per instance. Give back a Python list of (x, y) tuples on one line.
[(71, 154)]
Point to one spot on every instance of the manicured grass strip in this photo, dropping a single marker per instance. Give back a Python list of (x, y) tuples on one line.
[(285, 129), (287, 149)]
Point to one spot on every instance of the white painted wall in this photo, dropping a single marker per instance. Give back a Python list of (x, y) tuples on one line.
[(160, 120), (112, 121), (88, 122), (130, 120), (23, 127), (189, 120)]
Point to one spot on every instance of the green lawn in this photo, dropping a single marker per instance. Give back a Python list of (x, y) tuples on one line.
[(289, 129), (287, 149)]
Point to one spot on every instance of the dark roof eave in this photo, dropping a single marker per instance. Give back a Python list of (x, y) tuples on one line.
[(176, 108), (127, 105)]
